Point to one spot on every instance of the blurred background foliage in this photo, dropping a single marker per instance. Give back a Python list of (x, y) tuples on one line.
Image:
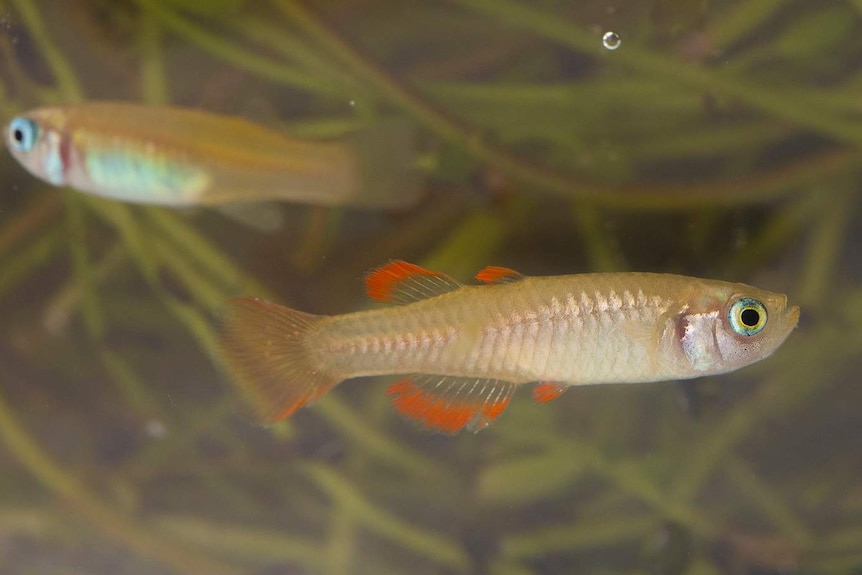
[(720, 139)]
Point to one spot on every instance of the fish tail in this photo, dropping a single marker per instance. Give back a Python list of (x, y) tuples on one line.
[(388, 175), (264, 347)]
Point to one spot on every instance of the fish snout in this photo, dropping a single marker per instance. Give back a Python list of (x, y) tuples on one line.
[(792, 317)]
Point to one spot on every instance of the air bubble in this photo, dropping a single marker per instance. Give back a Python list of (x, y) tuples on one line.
[(611, 40), (155, 429)]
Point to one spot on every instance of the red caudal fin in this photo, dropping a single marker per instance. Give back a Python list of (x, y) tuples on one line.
[(403, 282), (499, 275), (263, 347), (450, 404), (544, 392)]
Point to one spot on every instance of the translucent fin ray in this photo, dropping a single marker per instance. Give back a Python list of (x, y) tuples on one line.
[(262, 345)]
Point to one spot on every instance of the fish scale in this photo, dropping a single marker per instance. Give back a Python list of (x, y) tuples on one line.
[(593, 345), (464, 349)]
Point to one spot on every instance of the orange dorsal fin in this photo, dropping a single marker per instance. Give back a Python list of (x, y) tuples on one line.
[(450, 404), (403, 282), (499, 275), (548, 391)]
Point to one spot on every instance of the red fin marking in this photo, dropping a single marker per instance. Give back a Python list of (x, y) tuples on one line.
[(545, 392), (493, 411), (402, 281), (416, 404), (497, 274), (445, 413), (290, 409)]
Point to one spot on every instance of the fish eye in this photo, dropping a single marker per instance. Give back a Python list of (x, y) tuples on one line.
[(747, 316), (22, 134)]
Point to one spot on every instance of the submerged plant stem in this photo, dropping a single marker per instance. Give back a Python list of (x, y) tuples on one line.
[(35, 217), (244, 59), (776, 102), (87, 506), (757, 188), (91, 306), (62, 70), (430, 544)]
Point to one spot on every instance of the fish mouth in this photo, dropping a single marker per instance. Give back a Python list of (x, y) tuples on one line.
[(792, 317)]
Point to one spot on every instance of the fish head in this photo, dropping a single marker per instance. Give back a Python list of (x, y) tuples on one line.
[(36, 141), (740, 326)]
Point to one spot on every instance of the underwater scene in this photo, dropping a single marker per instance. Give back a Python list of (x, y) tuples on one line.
[(344, 287)]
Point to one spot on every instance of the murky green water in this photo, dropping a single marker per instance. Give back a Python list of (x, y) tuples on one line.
[(719, 139)]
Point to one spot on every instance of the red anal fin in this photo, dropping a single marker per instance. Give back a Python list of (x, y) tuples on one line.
[(545, 392), (403, 282), (499, 275), (450, 404)]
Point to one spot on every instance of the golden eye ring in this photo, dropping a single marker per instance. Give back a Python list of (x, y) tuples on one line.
[(747, 316)]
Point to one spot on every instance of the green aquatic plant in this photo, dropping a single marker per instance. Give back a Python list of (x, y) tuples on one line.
[(718, 140)]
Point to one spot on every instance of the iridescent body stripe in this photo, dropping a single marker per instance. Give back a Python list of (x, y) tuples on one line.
[(185, 157)]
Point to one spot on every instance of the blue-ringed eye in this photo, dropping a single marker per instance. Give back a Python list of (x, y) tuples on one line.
[(747, 316), (22, 134)]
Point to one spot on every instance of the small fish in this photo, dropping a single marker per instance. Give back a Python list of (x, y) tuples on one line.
[(184, 157), (466, 348)]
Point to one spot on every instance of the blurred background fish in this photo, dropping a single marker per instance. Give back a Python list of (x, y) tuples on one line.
[(185, 157)]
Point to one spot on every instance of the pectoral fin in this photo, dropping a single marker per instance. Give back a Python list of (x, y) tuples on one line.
[(649, 336)]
